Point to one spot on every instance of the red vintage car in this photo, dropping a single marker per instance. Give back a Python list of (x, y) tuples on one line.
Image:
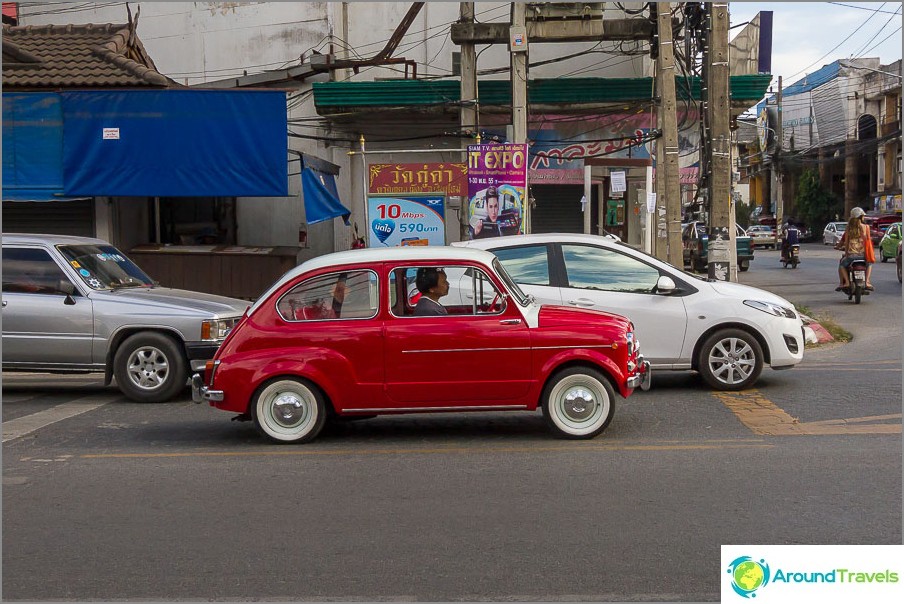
[(340, 336)]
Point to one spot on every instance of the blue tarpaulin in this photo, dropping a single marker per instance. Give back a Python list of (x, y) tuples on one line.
[(175, 143), (321, 198), (32, 147)]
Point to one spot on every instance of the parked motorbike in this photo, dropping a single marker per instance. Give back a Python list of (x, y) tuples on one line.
[(856, 280), (791, 255)]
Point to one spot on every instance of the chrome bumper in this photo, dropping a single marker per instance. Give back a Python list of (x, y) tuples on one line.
[(200, 392), (643, 378)]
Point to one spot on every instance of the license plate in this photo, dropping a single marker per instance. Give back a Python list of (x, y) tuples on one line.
[(859, 275)]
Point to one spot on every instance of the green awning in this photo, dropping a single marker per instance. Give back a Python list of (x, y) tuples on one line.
[(746, 90)]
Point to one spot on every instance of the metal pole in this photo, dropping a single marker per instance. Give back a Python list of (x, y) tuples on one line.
[(651, 216), (468, 111), (588, 195)]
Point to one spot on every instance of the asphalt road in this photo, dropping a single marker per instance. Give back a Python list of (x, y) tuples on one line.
[(108, 499)]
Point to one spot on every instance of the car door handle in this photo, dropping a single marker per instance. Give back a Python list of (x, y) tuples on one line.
[(582, 302), (510, 322), (4, 304)]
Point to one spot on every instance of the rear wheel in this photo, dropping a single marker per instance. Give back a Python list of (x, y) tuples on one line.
[(730, 359), (290, 410), (578, 403), (858, 293), (744, 266)]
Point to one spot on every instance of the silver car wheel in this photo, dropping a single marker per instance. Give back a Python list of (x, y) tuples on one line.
[(148, 368), (579, 403), (289, 411), (731, 360)]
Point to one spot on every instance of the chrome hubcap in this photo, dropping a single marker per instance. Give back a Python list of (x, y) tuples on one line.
[(148, 368), (288, 410), (578, 404)]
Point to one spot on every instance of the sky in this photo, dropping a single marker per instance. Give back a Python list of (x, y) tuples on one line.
[(808, 35)]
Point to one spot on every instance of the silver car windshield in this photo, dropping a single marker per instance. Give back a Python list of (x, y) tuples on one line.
[(104, 267)]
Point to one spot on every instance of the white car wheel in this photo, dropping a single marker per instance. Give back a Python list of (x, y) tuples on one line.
[(290, 411), (578, 403), (730, 359)]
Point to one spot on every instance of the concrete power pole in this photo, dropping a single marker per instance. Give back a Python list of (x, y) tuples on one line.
[(777, 161), (668, 192), (721, 216), (518, 50), (469, 107)]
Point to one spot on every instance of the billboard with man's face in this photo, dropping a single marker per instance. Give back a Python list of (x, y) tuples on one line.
[(497, 182)]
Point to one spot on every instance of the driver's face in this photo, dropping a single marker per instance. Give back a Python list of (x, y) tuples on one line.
[(492, 209), (442, 285)]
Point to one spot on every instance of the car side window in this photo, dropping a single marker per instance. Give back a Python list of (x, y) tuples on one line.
[(458, 290), (527, 264), (595, 268), (32, 271), (342, 295)]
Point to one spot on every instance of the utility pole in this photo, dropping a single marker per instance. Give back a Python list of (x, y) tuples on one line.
[(668, 196), (721, 218), (518, 44), (777, 161), (468, 119)]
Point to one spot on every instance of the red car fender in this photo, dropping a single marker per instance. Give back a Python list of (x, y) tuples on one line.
[(596, 357)]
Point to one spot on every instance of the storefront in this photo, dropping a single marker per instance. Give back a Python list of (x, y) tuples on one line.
[(149, 169)]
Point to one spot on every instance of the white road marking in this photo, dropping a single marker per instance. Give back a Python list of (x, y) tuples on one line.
[(19, 427)]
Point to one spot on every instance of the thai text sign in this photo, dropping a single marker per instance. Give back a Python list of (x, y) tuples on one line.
[(497, 182), (406, 220), (418, 178)]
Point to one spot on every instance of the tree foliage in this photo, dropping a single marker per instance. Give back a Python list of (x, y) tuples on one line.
[(815, 205)]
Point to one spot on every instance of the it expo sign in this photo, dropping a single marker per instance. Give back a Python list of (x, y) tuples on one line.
[(794, 573)]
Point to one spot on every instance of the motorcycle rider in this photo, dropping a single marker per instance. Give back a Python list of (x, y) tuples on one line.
[(856, 244), (790, 236)]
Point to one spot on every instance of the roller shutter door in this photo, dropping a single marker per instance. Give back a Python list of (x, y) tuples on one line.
[(558, 209), (54, 217)]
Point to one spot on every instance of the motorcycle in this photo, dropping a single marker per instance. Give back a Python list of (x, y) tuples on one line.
[(856, 280), (791, 255)]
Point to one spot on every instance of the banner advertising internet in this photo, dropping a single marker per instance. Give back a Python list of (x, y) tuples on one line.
[(406, 220), (497, 182)]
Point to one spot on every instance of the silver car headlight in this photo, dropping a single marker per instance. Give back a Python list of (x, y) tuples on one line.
[(772, 309), (214, 330)]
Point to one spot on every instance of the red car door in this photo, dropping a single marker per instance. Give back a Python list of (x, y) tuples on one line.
[(472, 357)]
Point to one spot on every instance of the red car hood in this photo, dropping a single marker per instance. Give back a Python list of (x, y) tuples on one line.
[(565, 316)]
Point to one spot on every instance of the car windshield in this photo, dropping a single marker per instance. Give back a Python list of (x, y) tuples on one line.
[(519, 295), (841, 226), (104, 267)]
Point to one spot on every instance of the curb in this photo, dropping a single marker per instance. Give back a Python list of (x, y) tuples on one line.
[(814, 333)]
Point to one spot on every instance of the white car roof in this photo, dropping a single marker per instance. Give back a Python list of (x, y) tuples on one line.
[(492, 242), (374, 255)]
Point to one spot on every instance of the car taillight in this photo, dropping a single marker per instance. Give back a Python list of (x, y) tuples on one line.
[(209, 369)]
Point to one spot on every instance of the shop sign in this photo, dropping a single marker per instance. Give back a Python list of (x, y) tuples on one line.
[(404, 220), (497, 181), (447, 178)]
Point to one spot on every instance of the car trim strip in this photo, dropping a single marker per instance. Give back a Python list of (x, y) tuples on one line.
[(409, 409), (511, 348)]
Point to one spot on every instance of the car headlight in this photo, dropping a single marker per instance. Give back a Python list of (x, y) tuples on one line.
[(772, 309), (213, 330)]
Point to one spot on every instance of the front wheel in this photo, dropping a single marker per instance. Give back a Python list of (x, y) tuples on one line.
[(730, 359), (744, 266), (578, 403), (290, 410), (150, 367)]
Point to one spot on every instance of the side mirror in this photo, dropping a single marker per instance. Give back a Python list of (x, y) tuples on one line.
[(665, 285)]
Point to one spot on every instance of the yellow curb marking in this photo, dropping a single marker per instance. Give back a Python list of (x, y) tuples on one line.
[(460, 450), (764, 417)]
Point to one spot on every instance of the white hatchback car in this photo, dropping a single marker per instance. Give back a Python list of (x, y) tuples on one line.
[(833, 233), (724, 330)]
